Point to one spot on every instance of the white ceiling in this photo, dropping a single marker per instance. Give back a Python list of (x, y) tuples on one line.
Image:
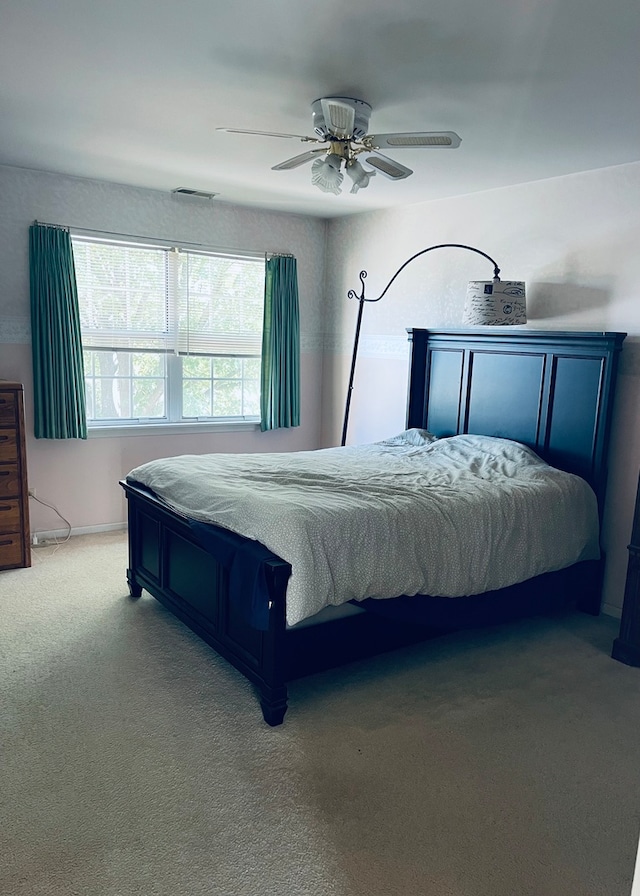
[(132, 91)]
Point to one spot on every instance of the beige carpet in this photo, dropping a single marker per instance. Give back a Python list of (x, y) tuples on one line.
[(503, 762)]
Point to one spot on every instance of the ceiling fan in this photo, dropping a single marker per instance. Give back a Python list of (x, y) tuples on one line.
[(341, 124)]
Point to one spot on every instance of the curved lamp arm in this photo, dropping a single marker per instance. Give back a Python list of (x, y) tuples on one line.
[(362, 299)]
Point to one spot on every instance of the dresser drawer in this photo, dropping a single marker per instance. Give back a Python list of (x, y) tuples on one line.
[(8, 445), (10, 481), (10, 516), (7, 408), (11, 551), (15, 541)]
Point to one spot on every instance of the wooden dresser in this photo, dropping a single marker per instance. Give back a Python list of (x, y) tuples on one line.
[(15, 546)]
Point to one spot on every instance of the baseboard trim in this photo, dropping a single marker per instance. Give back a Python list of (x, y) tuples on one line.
[(610, 610), (79, 530)]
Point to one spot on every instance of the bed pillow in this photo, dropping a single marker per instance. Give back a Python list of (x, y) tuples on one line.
[(415, 437)]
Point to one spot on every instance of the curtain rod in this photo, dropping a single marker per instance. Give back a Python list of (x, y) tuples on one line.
[(156, 239)]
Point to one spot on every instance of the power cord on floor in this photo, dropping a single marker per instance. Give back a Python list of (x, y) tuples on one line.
[(34, 540)]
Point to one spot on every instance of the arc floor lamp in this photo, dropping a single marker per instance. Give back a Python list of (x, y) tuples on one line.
[(489, 302)]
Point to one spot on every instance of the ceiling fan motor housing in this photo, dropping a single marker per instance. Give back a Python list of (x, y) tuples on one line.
[(341, 117)]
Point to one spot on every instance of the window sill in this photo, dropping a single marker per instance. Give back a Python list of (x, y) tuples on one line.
[(170, 429)]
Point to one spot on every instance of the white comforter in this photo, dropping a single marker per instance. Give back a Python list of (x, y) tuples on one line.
[(411, 515)]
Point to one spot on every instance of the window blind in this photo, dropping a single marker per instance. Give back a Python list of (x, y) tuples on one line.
[(156, 298), (220, 306)]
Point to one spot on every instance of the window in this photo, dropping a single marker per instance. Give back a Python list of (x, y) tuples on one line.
[(169, 335)]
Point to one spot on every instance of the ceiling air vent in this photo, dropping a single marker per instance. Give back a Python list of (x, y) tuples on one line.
[(198, 194)]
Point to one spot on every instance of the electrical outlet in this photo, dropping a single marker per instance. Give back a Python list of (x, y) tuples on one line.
[(32, 492)]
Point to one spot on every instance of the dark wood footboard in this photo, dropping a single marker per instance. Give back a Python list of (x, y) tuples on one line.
[(166, 560)]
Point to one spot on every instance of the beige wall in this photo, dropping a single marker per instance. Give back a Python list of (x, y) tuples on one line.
[(573, 239), (80, 478)]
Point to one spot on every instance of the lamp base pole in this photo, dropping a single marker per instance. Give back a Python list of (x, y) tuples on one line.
[(352, 372)]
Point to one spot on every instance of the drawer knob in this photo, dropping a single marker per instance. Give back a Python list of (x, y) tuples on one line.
[(5, 507), (6, 541), (4, 438)]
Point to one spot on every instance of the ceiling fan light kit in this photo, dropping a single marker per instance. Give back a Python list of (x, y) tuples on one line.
[(359, 175), (326, 174), (341, 123)]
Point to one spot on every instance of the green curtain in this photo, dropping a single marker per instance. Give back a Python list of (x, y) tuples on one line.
[(58, 369), (280, 380)]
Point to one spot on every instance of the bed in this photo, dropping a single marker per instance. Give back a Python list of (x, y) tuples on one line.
[(546, 396)]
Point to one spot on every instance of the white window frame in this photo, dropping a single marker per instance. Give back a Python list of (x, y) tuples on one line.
[(173, 422)]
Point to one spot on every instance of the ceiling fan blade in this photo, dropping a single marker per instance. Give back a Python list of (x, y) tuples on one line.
[(339, 117), (387, 166), (267, 134), (296, 161), (418, 140)]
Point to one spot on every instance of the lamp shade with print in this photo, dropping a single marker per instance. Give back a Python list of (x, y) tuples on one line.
[(495, 303)]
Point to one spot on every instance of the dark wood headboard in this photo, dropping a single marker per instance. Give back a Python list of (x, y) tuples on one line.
[(551, 390)]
